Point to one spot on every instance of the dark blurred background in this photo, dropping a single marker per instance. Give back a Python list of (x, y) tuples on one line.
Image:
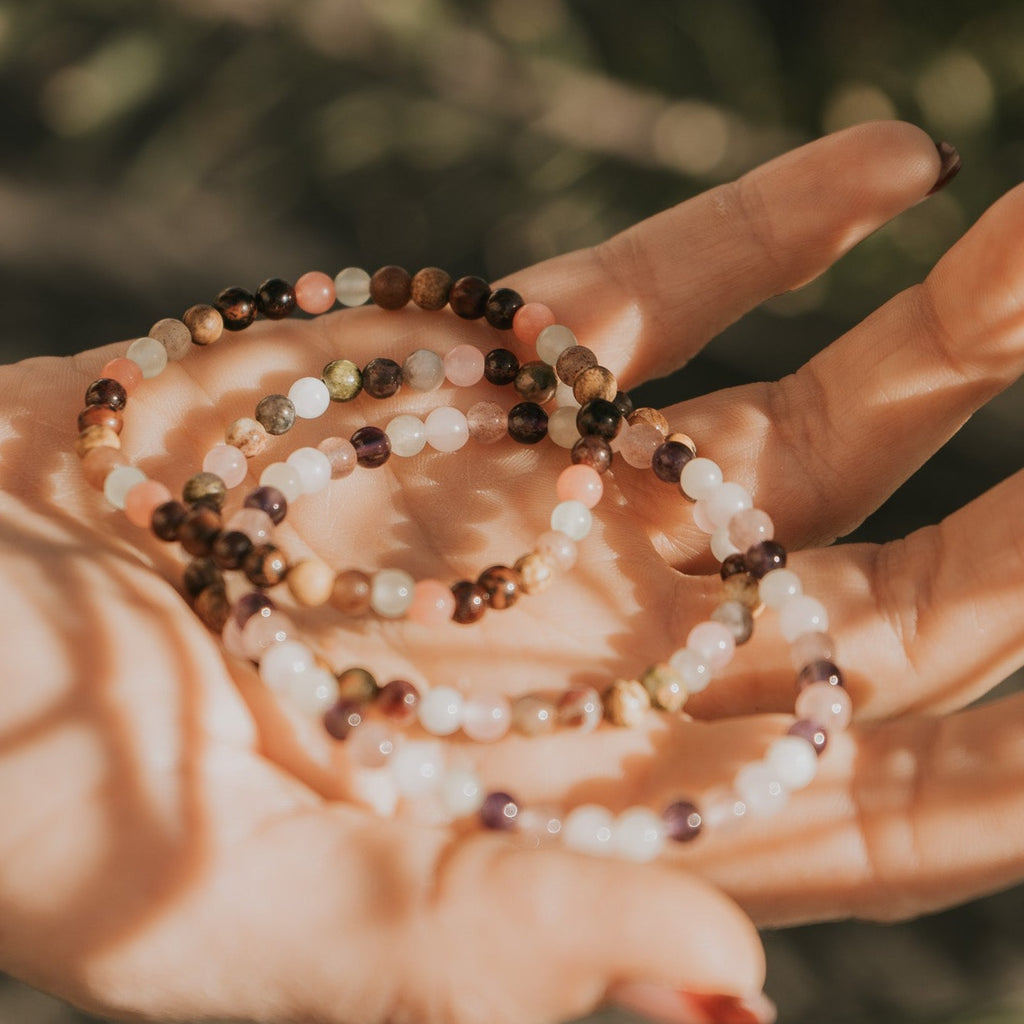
[(153, 152)]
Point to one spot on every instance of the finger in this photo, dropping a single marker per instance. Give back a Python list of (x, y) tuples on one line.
[(905, 818), (652, 296)]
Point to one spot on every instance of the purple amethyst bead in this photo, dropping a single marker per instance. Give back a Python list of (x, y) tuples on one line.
[(683, 821), (810, 731), (499, 811)]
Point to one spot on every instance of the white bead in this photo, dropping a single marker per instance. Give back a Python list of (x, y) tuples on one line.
[(312, 692), (447, 429), (391, 592), (313, 467), (724, 501), (793, 760), (701, 517), (440, 710), (721, 545), (462, 792), (310, 397), (408, 435), (281, 662), (565, 397), (486, 717), (639, 834), (284, 477), (758, 786), (802, 614), (694, 671), (562, 427), (372, 744), (352, 286), (423, 370), (700, 477), (119, 481), (572, 518), (417, 767), (589, 828), (149, 355), (778, 587), (713, 643), (553, 341)]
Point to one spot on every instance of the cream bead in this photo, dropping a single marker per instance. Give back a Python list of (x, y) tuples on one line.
[(284, 477), (282, 661), (417, 767), (408, 435), (447, 429), (721, 544), (589, 828), (639, 834), (562, 427), (311, 692), (352, 286), (802, 614), (758, 786), (149, 355), (310, 397), (778, 587), (694, 670), (699, 478), (462, 792), (391, 593), (725, 501), (313, 468), (440, 710), (793, 760), (572, 518), (119, 481), (553, 341)]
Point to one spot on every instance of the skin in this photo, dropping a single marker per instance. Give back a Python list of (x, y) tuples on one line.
[(174, 843)]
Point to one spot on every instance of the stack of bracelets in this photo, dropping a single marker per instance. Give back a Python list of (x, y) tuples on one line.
[(369, 717)]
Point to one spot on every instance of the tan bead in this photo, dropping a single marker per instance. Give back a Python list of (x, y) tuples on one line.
[(249, 436), (534, 715), (98, 463), (430, 288), (626, 702), (351, 595), (97, 436), (666, 689), (684, 439), (572, 362), (649, 415), (175, 337), (204, 323), (100, 416), (536, 573), (311, 582), (595, 382), (744, 588)]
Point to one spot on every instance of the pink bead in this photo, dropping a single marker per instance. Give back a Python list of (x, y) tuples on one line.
[(254, 523), (750, 527), (464, 365), (227, 462), (125, 371), (314, 292), (488, 422), (529, 320), (580, 483), (557, 548), (371, 745), (827, 705), (140, 501), (713, 642), (637, 443), (486, 717), (432, 603), (341, 454), (263, 631)]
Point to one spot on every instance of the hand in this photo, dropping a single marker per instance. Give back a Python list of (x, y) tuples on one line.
[(168, 846)]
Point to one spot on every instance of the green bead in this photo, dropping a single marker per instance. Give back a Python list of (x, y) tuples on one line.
[(667, 690), (344, 380)]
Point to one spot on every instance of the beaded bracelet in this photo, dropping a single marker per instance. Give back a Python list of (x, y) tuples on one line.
[(722, 509)]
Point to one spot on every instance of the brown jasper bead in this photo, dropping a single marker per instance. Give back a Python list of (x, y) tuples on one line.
[(357, 685), (199, 529), (501, 307), (351, 593), (667, 691), (470, 601), (265, 565), (97, 437), (534, 715), (213, 607), (501, 584), (249, 436), (626, 702), (468, 297), (572, 362), (276, 414), (174, 336), (107, 391), (167, 518), (96, 464), (201, 573), (430, 288), (204, 323), (683, 439), (231, 549), (742, 587), (391, 287), (237, 308), (311, 582), (646, 414), (592, 451), (535, 573), (275, 298), (100, 416), (206, 488), (535, 382), (595, 382)]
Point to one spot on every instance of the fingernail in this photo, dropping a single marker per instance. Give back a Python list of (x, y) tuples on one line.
[(674, 1006), (949, 166)]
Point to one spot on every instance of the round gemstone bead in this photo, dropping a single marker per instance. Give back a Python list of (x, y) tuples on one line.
[(309, 397), (342, 718), (579, 483), (352, 286), (149, 355), (120, 480), (391, 287), (174, 336), (534, 715), (313, 467), (464, 365), (98, 462), (487, 422), (721, 546), (282, 662), (382, 378), (669, 460), (372, 447), (501, 307), (204, 323), (646, 414), (749, 527), (237, 308), (562, 426), (530, 321), (167, 518), (227, 462), (683, 821), (201, 573), (819, 672), (440, 710), (248, 435), (265, 566), (352, 590), (213, 608), (625, 405), (423, 370), (527, 423), (553, 341), (470, 601), (666, 687), (462, 792), (626, 702), (535, 382), (371, 745), (722, 808), (391, 593), (275, 299), (557, 548), (343, 378), (269, 500), (535, 573), (580, 708), (572, 518), (589, 828), (501, 584), (699, 478), (142, 500), (759, 787), (692, 668), (595, 382), (430, 287), (713, 643), (311, 582), (810, 647), (100, 416), (468, 297), (639, 835), (778, 587), (724, 501), (261, 632), (283, 478), (764, 558), (638, 443), (737, 618), (314, 292), (230, 549), (499, 811), (276, 414), (793, 761), (125, 372), (500, 366), (811, 733), (357, 684), (407, 435), (572, 362), (598, 418), (398, 700), (594, 452), (802, 614), (417, 768), (829, 705), (432, 603), (447, 429), (486, 717), (340, 454), (733, 566), (206, 488), (248, 605), (312, 693)]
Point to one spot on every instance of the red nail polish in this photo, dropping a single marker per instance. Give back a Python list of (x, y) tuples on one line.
[(949, 166), (732, 1009)]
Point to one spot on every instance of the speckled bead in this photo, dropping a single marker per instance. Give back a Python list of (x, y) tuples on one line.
[(535, 573), (535, 382), (626, 702), (343, 378), (667, 691), (470, 601), (580, 708), (358, 685), (269, 500), (737, 618), (487, 422), (423, 370), (594, 452), (275, 299), (430, 287), (204, 323), (199, 529), (468, 297), (669, 459), (213, 607), (501, 584), (199, 574), (645, 414), (276, 414), (744, 588), (500, 366), (501, 307), (572, 362), (598, 418), (391, 287), (249, 436), (373, 448), (167, 518), (265, 566), (231, 548), (382, 378), (527, 423), (762, 558), (108, 393), (174, 336), (595, 382), (732, 566), (237, 308), (207, 488)]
